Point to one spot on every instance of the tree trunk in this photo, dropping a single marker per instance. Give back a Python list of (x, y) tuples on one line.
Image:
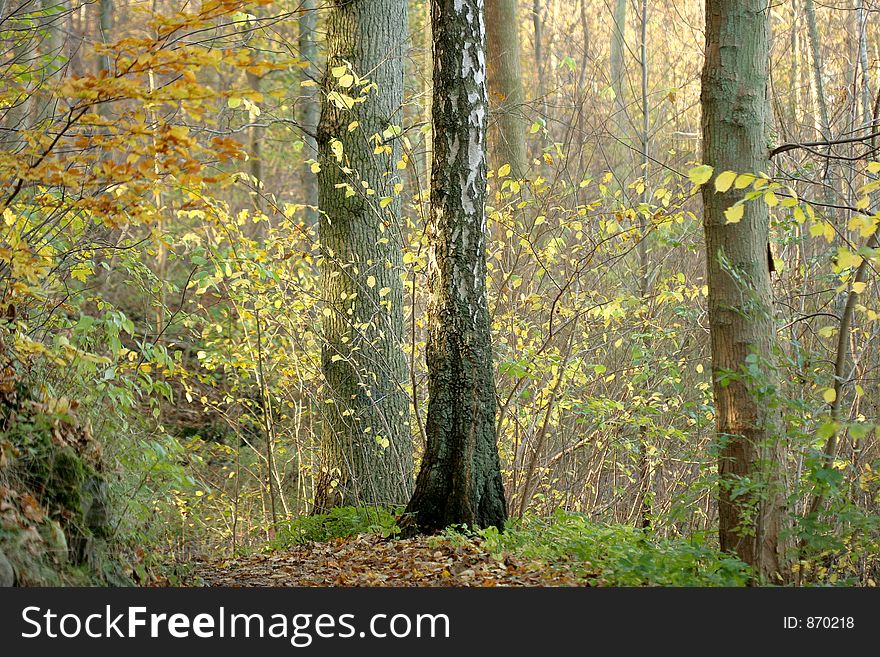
[(734, 88), (505, 86), (255, 163), (824, 127), (366, 446), (460, 478), (106, 25), (538, 25), (617, 70), (308, 107)]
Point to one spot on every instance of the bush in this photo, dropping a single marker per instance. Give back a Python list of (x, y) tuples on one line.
[(338, 523)]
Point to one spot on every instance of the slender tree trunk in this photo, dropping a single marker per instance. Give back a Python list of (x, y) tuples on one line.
[(865, 87), (817, 66), (460, 477), (645, 499), (617, 69), (367, 446), (51, 47), (734, 88), (538, 25), (106, 24), (505, 86), (308, 107), (255, 162)]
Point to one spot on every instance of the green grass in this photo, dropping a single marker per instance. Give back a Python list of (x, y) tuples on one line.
[(338, 523), (615, 555)]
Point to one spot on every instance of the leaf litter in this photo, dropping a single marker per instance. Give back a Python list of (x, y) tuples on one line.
[(371, 560)]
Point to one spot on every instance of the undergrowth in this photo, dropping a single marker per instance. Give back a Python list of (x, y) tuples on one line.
[(338, 523), (609, 555), (615, 555)]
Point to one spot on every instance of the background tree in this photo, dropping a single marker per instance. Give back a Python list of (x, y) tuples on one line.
[(367, 445), (460, 476), (505, 86), (309, 106)]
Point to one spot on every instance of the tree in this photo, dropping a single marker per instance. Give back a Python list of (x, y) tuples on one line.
[(309, 109), (460, 477), (618, 69), (105, 7), (734, 88), (505, 85), (366, 445)]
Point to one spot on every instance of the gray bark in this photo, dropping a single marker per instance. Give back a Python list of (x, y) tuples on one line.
[(367, 445), (308, 107), (106, 24)]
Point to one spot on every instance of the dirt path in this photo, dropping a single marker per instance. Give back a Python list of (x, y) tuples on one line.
[(369, 560)]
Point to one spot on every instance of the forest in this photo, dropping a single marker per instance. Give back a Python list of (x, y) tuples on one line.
[(439, 293)]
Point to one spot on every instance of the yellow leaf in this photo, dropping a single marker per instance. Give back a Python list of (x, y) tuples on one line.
[(384, 291), (724, 181), (700, 175), (873, 167), (346, 81), (339, 71), (847, 259), (371, 281), (770, 199), (315, 167), (829, 395), (385, 201), (734, 213), (859, 287), (743, 180), (335, 357), (503, 170), (336, 148), (180, 132)]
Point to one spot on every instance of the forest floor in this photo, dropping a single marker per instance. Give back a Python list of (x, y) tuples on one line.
[(371, 560)]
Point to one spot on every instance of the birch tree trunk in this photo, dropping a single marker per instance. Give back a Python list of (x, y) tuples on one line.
[(460, 477), (734, 87), (367, 445)]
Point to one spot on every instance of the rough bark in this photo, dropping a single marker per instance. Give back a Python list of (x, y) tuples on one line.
[(505, 86), (734, 87), (308, 107), (366, 446), (460, 477)]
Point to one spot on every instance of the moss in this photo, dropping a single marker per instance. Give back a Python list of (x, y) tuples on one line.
[(66, 475)]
